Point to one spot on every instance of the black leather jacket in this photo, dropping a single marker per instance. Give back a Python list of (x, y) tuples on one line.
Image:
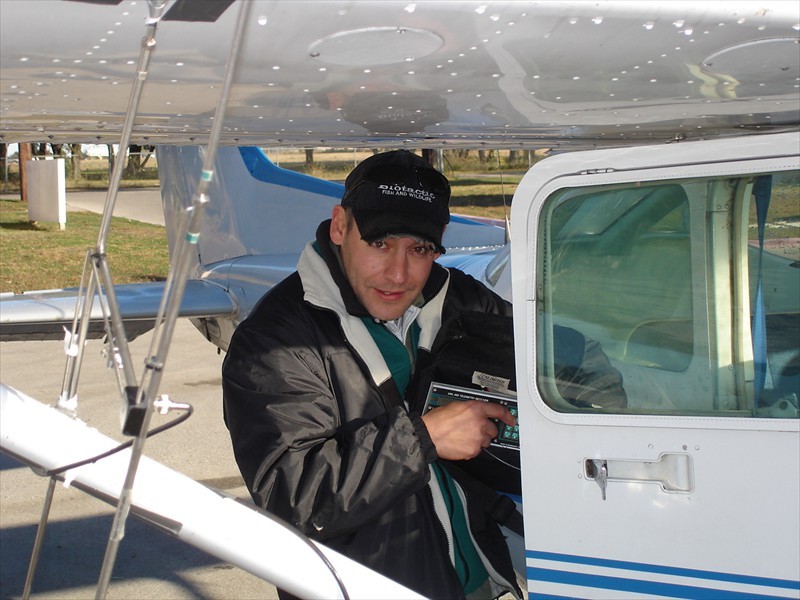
[(323, 438)]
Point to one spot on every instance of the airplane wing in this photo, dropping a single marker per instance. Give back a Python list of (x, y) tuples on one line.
[(181, 507), (427, 74), (44, 315)]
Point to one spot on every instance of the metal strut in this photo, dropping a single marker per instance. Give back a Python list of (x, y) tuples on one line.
[(137, 400), (169, 309), (99, 280)]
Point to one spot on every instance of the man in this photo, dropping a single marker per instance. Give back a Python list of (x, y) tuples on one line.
[(320, 401)]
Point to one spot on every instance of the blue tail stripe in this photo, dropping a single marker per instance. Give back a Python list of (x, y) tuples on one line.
[(263, 169)]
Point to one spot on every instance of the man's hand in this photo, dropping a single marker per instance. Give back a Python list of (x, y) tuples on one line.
[(460, 429)]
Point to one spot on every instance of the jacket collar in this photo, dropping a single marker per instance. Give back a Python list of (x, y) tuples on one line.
[(330, 254)]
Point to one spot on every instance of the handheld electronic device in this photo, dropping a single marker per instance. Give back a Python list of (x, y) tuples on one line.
[(440, 394)]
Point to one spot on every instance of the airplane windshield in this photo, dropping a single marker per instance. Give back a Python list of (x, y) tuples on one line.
[(594, 212), (644, 287)]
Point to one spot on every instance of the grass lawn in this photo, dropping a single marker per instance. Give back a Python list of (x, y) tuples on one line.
[(36, 256)]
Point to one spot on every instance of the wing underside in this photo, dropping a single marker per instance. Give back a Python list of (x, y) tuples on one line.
[(427, 74)]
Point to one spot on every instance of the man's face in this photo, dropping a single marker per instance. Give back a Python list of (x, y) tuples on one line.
[(387, 276)]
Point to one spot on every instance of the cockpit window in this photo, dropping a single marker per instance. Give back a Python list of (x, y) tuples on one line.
[(644, 289)]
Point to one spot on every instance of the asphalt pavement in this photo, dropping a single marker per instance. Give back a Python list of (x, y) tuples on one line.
[(150, 563)]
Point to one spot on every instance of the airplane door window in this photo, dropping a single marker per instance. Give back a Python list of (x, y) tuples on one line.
[(656, 276), (773, 266)]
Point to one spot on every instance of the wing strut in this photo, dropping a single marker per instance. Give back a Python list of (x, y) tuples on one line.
[(99, 279), (137, 399), (138, 414)]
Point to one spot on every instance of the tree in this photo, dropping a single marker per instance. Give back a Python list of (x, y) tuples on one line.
[(46, 149), (485, 156), (514, 156), (111, 159), (75, 156)]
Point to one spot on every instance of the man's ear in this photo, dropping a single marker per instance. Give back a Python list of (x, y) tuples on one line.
[(338, 224)]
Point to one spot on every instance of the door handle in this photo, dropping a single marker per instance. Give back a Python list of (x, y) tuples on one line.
[(674, 472)]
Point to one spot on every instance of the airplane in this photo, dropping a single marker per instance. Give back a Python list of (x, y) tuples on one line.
[(663, 226)]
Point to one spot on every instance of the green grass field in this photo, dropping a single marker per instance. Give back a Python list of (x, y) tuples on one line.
[(35, 256)]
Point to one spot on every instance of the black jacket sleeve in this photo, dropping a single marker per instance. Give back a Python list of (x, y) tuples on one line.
[(311, 435)]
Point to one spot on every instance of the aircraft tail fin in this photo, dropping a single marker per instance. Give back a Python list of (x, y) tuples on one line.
[(257, 208)]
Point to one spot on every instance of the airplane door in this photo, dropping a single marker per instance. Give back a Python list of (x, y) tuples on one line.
[(657, 321)]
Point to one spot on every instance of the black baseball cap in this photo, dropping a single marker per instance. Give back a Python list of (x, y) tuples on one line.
[(398, 193)]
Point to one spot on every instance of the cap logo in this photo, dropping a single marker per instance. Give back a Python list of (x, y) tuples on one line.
[(402, 190)]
